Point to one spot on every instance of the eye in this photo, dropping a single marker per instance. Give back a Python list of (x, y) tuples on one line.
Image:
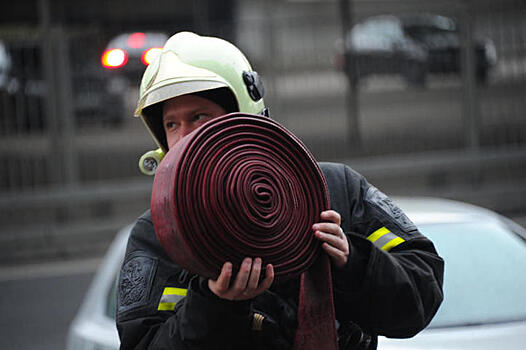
[(170, 125), (201, 116)]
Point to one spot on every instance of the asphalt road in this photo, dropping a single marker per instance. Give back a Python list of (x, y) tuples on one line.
[(36, 308)]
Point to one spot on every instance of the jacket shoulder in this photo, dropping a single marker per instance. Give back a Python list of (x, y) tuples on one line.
[(339, 173), (344, 188)]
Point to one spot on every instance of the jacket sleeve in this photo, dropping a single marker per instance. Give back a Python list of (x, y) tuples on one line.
[(392, 283), (147, 317)]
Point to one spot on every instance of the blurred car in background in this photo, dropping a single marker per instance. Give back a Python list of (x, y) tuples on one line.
[(24, 89), (99, 89), (129, 53), (94, 325), (412, 45), (484, 305)]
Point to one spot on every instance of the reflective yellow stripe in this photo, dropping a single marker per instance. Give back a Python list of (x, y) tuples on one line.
[(392, 244), (175, 291), (385, 239), (378, 233), (170, 297), (166, 306)]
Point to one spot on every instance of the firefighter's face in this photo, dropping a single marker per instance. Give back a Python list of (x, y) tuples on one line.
[(183, 114)]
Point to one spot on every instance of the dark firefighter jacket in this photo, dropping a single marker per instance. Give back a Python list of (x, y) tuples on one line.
[(391, 285)]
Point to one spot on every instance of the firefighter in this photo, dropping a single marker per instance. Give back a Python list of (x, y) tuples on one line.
[(387, 277)]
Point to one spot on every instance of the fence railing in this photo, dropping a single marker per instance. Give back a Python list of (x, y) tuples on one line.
[(404, 104), (411, 98)]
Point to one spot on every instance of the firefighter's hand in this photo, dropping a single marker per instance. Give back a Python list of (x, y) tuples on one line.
[(334, 241), (246, 284)]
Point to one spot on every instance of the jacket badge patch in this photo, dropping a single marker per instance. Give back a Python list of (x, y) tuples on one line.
[(385, 204), (135, 282)]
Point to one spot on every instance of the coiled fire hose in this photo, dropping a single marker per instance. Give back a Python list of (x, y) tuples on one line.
[(242, 186)]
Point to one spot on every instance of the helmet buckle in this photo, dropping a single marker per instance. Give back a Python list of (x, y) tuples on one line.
[(254, 85)]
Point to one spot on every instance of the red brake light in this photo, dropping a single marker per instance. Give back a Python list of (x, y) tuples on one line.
[(149, 55), (136, 40), (114, 58)]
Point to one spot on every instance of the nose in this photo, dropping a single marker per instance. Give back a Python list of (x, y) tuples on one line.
[(186, 128)]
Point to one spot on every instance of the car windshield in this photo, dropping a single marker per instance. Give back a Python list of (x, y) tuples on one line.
[(484, 273), (375, 34), (111, 300), (430, 33)]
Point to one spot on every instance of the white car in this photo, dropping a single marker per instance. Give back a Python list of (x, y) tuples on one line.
[(94, 325), (484, 305)]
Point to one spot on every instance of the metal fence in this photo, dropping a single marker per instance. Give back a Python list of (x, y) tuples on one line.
[(463, 96), (66, 125), (300, 58)]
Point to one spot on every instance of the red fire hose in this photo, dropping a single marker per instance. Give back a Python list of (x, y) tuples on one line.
[(243, 186)]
